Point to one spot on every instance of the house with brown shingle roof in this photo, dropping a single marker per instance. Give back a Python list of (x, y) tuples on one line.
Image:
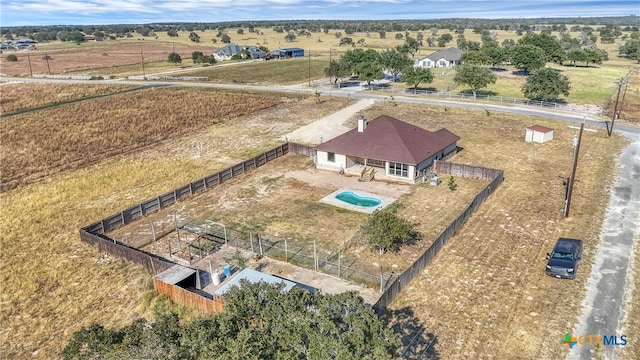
[(396, 149)]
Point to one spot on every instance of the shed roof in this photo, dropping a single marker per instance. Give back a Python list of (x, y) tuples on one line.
[(539, 128), (175, 274), (389, 139), (253, 276)]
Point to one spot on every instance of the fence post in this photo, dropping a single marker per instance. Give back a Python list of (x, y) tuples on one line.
[(381, 280), (286, 252), (126, 238), (338, 263), (315, 256), (210, 270), (251, 242), (260, 244), (175, 222), (153, 232)]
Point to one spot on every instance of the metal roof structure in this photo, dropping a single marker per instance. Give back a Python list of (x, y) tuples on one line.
[(253, 276)]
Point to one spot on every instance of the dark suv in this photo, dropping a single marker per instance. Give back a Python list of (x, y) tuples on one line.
[(563, 261)]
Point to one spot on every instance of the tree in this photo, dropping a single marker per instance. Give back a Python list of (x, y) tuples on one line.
[(337, 69), (174, 58), (225, 38), (199, 58), (399, 36), (385, 230), (475, 76), (172, 33), (452, 184), (355, 57), (593, 56), (444, 39), (415, 76), (495, 53), (260, 321), (550, 45), (240, 31), (576, 55), (369, 71), (383, 34), (546, 84), (631, 50), (475, 57), (411, 45), (394, 62), (291, 36), (528, 57), (346, 41), (194, 37)]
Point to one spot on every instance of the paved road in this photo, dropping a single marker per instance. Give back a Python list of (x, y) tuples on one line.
[(521, 110), (610, 280)]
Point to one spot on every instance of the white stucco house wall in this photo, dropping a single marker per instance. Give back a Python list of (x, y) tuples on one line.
[(441, 59), (399, 150)]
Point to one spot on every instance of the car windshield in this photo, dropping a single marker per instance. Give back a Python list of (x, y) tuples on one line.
[(562, 256)]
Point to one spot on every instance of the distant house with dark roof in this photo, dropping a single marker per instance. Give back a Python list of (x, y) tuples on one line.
[(400, 150), (230, 50), (441, 59)]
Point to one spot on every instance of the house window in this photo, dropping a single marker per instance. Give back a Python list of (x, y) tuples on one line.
[(398, 169), (331, 157), (376, 163)]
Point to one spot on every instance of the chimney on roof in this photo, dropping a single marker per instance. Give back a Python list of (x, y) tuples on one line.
[(362, 123)]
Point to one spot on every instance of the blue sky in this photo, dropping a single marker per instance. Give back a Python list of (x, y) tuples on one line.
[(79, 12)]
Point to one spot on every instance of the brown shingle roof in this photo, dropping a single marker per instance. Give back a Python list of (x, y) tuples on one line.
[(389, 139), (539, 128)]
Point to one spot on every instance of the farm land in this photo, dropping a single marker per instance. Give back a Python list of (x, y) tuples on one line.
[(484, 295)]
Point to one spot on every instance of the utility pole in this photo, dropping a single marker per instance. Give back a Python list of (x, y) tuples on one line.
[(30, 71), (46, 56), (144, 76), (174, 51), (309, 68), (624, 94), (576, 150), (615, 107)]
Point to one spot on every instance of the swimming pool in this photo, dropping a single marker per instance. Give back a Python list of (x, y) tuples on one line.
[(354, 199)]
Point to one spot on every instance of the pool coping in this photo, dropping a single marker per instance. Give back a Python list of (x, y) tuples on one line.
[(331, 200)]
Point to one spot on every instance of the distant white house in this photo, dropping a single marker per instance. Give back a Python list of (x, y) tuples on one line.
[(230, 50), (441, 59)]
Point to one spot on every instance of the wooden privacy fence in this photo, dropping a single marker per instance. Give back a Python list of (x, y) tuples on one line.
[(416, 267), (151, 262), (302, 149), (133, 213), (184, 296)]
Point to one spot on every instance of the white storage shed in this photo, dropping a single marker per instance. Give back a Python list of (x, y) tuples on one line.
[(538, 133)]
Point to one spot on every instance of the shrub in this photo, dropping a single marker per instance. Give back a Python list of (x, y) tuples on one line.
[(12, 57)]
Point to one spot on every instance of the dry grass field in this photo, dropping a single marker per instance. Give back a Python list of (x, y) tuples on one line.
[(77, 134), (484, 296), (25, 97), (108, 58)]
